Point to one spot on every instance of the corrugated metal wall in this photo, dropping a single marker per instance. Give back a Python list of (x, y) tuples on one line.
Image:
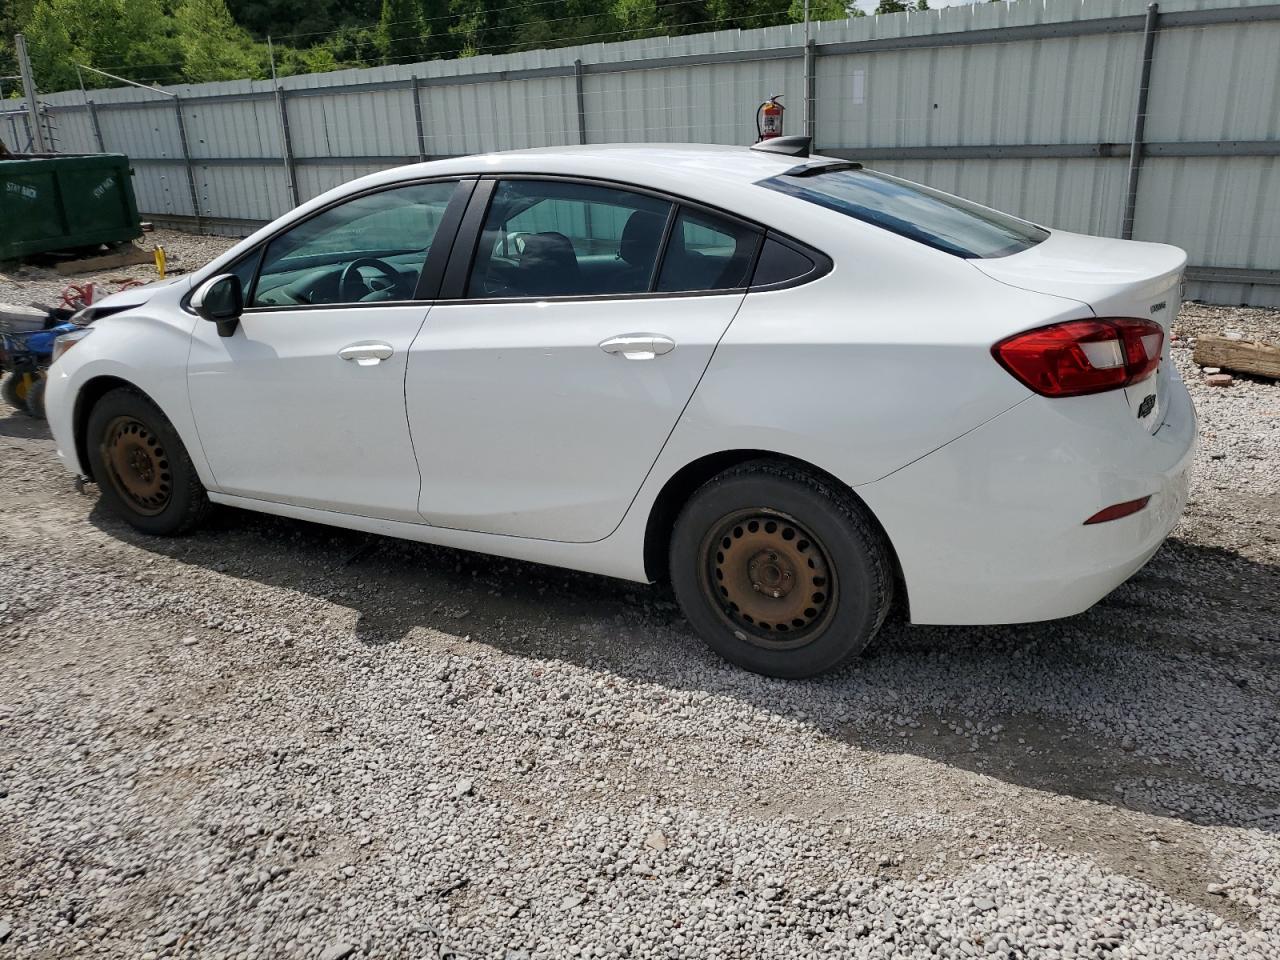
[(1027, 106)]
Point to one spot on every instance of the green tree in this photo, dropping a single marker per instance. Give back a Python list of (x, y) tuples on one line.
[(213, 46), (891, 6), (400, 31), (309, 24), (539, 24), (14, 14), (823, 10), (678, 17), (133, 38), (485, 26)]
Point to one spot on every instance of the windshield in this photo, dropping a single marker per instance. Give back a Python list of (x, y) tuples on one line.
[(929, 216)]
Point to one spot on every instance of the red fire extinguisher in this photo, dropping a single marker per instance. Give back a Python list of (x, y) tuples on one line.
[(769, 119)]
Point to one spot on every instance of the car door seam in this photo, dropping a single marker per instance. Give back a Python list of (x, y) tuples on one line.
[(191, 407), (676, 423)]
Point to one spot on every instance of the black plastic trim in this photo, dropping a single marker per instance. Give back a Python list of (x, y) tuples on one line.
[(431, 278), (466, 240), (357, 305), (673, 214), (822, 264), (586, 297)]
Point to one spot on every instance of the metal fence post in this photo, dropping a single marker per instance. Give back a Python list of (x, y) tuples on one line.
[(810, 88), (186, 157), (582, 103), (1136, 147), (29, 91), (97, 127), (417, 118), (286, 149)]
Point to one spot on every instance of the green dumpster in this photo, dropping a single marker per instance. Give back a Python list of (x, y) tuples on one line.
[(55, 202)]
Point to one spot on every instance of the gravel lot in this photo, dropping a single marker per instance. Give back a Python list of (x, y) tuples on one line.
[(274, 739)]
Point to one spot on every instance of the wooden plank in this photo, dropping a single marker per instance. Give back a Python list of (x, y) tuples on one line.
[(1241, 356), (129, 256)]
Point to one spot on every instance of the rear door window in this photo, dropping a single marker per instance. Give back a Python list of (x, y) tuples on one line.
[(956, 226), (706, 252), (550, 238)]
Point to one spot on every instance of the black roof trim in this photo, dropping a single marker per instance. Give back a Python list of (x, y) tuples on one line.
[(821, 166)]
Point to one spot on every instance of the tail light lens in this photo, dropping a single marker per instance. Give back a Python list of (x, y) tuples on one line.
[(1082, 356)]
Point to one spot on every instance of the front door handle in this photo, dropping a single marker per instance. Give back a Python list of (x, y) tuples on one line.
[(639, 346), (366, 354)]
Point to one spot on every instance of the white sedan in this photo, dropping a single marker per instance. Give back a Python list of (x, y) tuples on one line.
[(793, 386)]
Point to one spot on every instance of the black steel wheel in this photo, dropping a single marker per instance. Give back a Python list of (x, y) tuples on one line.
[(780, 570), (769, 577), (141, 467), (137, 465)]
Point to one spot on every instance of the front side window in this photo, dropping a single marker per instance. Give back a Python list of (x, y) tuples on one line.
[(929, 216), (245, 268), (706, 252), (545, 238), (367, 250)]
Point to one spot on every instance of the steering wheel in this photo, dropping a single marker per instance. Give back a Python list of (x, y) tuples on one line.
[(347, 288)]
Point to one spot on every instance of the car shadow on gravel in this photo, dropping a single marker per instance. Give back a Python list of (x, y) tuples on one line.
[(21, 426), (1161, 699)]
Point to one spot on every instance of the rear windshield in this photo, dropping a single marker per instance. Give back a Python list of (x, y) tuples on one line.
[(947, 223)]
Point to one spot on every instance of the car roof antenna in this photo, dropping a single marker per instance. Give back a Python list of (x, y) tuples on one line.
[(788, 146)]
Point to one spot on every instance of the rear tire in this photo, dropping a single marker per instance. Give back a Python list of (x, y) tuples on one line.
[(779, 570), (141, 467)]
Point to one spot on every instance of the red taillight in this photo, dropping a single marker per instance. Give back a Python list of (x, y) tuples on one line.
[(1118, 510), (1082, 356)]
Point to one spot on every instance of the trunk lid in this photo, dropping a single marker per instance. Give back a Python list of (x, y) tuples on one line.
[(1115, 278)]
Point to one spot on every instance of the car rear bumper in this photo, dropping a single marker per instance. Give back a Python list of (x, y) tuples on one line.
[(990, 528)]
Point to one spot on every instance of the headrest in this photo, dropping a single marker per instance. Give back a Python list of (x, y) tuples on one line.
[(640, 238)]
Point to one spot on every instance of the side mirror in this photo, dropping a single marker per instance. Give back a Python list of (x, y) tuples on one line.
[(220, 300)]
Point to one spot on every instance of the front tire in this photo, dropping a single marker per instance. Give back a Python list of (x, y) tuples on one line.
[(141, 467), (779, 570)]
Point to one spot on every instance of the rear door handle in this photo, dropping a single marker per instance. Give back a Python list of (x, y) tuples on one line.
[(366, 354), (638, 346)]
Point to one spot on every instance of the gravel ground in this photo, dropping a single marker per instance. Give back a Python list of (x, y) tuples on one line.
[(274, 739), (184, 252)]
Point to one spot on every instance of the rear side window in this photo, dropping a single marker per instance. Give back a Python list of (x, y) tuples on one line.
[(947, 223), (706, 252), (780, 263)]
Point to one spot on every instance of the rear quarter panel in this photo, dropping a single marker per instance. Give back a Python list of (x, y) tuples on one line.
[(867, 369)]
